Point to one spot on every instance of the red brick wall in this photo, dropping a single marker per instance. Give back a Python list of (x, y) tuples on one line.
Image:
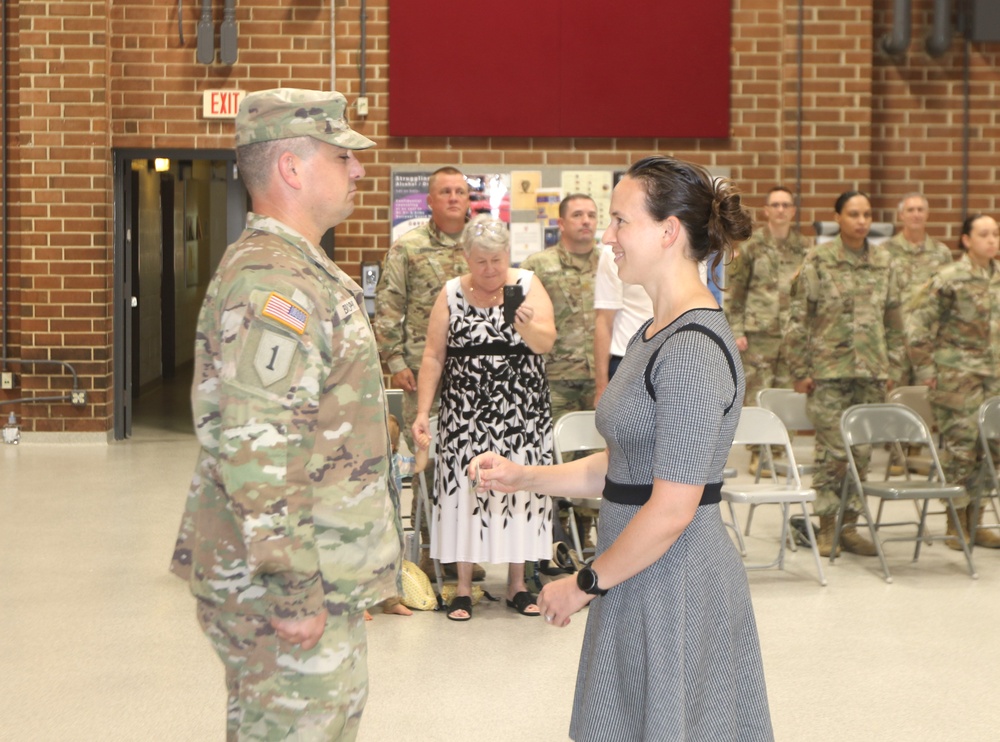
[(89, 75)]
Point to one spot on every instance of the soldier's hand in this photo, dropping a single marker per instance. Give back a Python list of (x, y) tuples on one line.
[(742, 344), (404, 380), (804, 386), (305, 632)]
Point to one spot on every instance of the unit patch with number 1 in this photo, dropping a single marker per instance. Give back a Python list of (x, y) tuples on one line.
[(274, 356)]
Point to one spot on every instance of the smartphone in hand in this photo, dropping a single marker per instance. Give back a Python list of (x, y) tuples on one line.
[(513, 297)]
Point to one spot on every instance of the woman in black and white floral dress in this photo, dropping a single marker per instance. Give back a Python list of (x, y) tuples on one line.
[(494, 396)]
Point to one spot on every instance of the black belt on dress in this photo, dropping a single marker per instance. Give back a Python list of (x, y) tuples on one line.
[(489, 349), (639, 494)]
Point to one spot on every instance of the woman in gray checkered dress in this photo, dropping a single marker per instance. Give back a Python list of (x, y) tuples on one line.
[(671, 649)]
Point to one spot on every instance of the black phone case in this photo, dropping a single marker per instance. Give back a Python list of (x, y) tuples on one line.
[(513, 296)]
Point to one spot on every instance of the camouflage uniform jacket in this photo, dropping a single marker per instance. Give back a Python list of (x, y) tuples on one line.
[(845, 320), (915, 265), (760, 282), (955, 321), (413, 273), (571, 290), (291, 507)]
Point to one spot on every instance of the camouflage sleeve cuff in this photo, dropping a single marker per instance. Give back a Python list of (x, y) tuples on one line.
[(294, 597), (396, 364), (924, 374)]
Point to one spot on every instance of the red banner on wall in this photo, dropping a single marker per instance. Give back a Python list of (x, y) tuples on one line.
[(559, 68)]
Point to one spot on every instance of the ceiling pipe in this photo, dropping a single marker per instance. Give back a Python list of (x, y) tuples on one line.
[(939, 39), (897, 41)]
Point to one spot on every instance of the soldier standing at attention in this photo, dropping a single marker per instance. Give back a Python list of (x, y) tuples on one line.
[(953, 327), (916, 257), (413, 273), (843, 343), (567, 271), (290, 529), (758, 295)]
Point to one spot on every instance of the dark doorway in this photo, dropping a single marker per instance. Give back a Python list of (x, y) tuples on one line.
[(175, 212)]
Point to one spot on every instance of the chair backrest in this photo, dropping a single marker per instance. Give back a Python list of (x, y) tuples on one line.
[(759, 426), (914, 397), (989, 437), (394, 401), (867, 424), (989, 419), (787, 404), (576, 431)]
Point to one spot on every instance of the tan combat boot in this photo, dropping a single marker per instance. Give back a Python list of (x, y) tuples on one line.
[(852, 540), (963, 519), (824, 537), (986, 538)]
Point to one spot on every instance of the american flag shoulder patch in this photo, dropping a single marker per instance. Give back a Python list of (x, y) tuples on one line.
[(281, 310)]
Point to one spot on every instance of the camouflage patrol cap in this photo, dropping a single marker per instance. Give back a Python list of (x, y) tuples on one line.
[(283, 113)]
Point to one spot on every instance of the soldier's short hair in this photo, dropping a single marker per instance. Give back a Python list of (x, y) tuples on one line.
[(485, 232), (779, 189), (256, 162), (564, 204), (908, 196), (446, 170)]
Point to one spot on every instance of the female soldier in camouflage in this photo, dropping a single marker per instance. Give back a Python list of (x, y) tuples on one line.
[(844, 342), (953, 328)]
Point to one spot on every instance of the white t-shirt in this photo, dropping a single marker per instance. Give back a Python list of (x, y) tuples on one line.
[(635, 306), (630, 301)]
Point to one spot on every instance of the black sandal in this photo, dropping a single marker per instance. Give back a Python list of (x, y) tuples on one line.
[(520, 603), (460, 603)]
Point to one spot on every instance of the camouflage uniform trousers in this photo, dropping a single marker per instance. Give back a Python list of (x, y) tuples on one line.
[(825, 405), (956, 402), (277, 691), (763, 365)]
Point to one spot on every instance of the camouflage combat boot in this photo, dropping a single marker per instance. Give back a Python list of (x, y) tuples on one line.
[(824, 537), (987, 538), (852, 540), (963, 519)]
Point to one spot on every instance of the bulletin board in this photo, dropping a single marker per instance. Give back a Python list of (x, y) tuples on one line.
[(560, 68)]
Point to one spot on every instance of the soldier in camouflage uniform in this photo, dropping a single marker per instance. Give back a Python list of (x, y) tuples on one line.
[(758, 293), (953, 328), (567, 272), (413, 273), (843, 343), (916, 256), (759, 288), (290, 529)]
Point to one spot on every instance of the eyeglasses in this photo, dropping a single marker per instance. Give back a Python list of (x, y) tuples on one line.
[(496, 229), (781, 205)]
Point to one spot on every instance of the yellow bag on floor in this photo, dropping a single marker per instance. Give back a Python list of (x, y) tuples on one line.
[(417, 591), (449, 589)]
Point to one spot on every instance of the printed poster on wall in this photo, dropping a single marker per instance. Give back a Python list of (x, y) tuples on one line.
[(489, 192)]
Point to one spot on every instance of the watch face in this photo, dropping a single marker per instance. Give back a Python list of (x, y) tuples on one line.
[(587, 579)]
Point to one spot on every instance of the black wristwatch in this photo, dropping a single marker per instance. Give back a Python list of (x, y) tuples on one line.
[(586, 580)]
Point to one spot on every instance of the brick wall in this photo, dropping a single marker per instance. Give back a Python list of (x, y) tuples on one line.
[(89, 75)]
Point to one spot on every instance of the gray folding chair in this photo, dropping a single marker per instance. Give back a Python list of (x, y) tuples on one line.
[(914, 397), (577, 431), (790, 407), (424, 507), (989, 439), (877, 424), (761, 427)]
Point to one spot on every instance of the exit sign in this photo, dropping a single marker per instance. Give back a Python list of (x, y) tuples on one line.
[(221, 104)]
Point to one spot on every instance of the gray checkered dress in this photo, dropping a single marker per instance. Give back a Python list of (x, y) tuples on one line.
[(672, 653)]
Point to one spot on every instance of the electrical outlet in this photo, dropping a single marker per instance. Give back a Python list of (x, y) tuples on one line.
[(78, 398), (7, 380), (362, 106)]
